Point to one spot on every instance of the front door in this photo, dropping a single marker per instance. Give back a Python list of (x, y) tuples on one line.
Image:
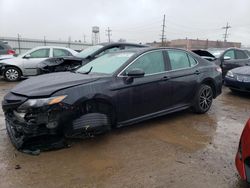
[(145, 95), (33, 59)]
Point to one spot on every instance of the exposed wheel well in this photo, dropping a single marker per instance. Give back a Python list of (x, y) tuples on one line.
[(9, 66), (101, 106), (210, 83)]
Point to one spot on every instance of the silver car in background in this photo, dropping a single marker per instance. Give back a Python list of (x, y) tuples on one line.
[(26, 64)]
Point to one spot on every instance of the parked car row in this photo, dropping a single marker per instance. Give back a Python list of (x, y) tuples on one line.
[(67, 63), (227, 59), (47, 59)]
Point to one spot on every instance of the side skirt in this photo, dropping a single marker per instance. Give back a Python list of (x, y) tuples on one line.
[(152, 115)]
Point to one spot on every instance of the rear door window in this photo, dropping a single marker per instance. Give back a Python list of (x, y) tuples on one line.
[(180, 60), (60, 52), (241, 55)]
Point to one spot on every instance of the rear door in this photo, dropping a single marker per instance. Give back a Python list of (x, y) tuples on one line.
[(31, 61), (183, 77)]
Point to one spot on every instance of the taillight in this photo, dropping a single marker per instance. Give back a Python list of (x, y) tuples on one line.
[(11, 52)]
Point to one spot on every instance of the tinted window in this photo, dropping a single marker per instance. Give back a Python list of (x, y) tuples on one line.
[(1, 47), (178, 59), (114, 49), (42, 53), (230, 54), (240, 55), (130, 47), (150, 63), (192, 61), (60, 52)]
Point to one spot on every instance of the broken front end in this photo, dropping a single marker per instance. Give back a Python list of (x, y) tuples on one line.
[(44, 123)]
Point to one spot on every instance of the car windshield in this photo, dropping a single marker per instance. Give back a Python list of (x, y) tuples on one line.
[(88, 51), (106, 64)]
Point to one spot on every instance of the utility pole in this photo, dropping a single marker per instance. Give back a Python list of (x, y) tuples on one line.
[(84, 38), (44, 40), (163, 36), (69, 41), (226, 32), (108, 34), (18, 40)]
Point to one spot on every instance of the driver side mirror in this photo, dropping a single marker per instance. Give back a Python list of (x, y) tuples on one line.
[(27, 56), (135, 73)]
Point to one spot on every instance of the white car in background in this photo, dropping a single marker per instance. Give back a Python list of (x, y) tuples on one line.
[(26, 64)]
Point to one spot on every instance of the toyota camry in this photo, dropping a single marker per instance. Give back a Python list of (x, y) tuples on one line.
[(114, 90)]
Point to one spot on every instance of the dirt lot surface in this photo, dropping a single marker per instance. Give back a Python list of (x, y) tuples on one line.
[(178, 150)]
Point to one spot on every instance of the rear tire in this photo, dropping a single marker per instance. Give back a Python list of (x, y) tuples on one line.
[(203, 99), (12, 74)]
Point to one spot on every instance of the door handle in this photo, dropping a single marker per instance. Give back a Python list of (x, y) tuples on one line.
[(165, 78), (197, 72)]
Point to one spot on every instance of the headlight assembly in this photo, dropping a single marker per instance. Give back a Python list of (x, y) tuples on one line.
[(230, 74), (36, 103)]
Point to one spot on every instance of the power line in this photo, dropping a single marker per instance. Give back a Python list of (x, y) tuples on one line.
[(108, 34), (226, 32), (163, 37)]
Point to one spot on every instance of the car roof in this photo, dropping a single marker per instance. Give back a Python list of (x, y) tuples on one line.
[(38, 47), (148, 49), (122, 43)]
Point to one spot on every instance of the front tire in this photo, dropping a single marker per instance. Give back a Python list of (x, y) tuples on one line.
[(203, 99), (12, 74)]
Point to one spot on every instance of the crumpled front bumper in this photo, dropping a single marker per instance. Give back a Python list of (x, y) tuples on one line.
[(32, 136)]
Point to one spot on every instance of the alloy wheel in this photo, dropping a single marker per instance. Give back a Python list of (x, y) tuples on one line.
[(206, 97)]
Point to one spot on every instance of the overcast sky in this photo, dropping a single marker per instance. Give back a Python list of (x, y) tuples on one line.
[(133, 20)]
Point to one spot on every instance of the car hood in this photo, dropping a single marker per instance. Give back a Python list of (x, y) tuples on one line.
[(45, 85), (13, 60), (242, 70)]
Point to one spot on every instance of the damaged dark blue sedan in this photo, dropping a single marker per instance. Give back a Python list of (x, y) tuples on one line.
[(114, 90)]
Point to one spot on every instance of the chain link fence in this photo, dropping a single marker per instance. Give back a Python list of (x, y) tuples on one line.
[(21, 45)]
